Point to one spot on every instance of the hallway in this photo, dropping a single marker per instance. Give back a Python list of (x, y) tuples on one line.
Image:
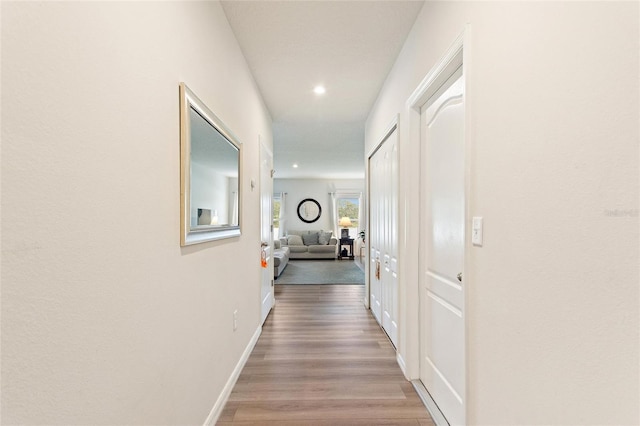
[(322, 359)]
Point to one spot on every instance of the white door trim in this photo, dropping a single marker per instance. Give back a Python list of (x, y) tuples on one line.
[(438, 75), (388, 130), (269, 299), (457, 55)]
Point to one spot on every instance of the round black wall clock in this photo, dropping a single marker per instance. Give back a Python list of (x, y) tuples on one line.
[(309, 210)]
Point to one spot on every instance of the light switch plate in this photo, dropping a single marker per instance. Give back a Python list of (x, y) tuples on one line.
[(476, 231)]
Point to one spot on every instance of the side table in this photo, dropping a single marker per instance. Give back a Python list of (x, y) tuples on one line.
[(346, 242)]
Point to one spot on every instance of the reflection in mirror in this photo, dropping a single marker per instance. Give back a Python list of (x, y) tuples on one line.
[(210, 207), (214, 176)]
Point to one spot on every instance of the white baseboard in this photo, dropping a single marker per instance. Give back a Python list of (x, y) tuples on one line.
[(432, 407), (228, 387), (402, 364)]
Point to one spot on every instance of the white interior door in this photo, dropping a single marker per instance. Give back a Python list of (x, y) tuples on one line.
[(266, 229), (442, 315), (383, 275)]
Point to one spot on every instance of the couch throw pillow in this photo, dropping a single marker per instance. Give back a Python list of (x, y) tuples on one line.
[(294, 240), (310, 239), (324, 237)]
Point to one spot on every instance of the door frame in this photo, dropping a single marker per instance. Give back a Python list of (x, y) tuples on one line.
[(269, 249), (457, 55)]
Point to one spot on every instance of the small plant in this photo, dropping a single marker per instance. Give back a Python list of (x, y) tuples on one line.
[(362, 234)]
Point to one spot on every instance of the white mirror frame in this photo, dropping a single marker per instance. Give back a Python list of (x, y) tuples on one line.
[(188, 236)]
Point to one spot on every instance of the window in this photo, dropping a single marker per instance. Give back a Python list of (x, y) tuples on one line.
[(349, 207), (276, 217)]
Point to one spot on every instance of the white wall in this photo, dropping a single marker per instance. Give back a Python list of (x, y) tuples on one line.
[(105, 319), (318, 189), (210, 190), (553, 294)]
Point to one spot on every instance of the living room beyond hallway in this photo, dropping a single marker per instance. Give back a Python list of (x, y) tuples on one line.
[(321, 272)]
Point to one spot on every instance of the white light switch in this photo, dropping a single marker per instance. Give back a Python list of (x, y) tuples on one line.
[(476, 231)]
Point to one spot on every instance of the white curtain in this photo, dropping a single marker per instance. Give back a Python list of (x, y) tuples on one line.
[(234, 214), (283, 214), (334, 214)]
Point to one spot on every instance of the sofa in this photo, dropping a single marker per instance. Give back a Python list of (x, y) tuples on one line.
[(280, 258), (310, 244)]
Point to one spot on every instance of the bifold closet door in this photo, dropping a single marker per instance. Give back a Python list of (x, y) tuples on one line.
[(383, 180)]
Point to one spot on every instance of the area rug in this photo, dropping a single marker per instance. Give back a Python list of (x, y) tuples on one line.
[(321, 272)]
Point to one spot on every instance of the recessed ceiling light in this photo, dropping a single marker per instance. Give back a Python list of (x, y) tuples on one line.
[(295, 166), (319, 90)]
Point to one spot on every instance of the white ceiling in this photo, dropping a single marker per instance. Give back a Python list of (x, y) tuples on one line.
[(347, 46)]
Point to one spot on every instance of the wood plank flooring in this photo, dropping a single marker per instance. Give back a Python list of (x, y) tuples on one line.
[(322, 360)]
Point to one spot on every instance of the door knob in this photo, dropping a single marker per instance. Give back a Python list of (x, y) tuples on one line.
[(460, 276)]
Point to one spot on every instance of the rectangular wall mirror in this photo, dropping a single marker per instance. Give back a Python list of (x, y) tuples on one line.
[(210, 179)]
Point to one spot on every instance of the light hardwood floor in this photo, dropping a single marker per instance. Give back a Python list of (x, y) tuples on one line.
[(322, 360)]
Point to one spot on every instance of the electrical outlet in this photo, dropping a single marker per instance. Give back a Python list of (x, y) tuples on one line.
[(235, 320)]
